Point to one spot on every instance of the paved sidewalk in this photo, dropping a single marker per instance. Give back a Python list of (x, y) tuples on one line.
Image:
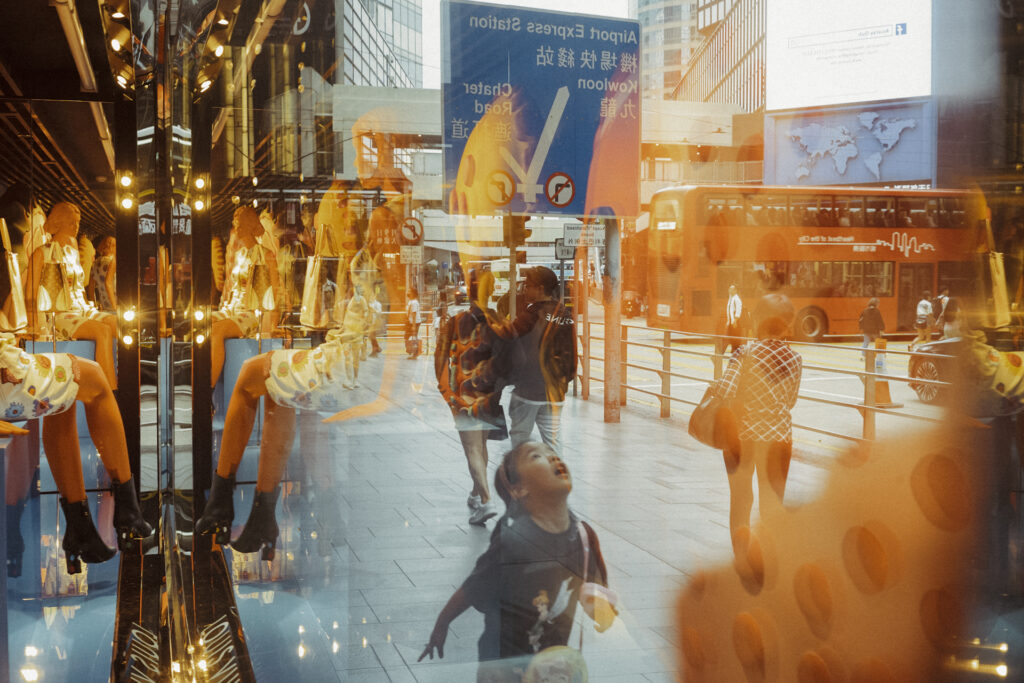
[(657, 499)]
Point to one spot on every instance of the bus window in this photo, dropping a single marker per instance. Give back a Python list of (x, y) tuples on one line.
[(881, 212), (918, 212), (665, 214), (811, 211), (850, 212), (951, 213), (724, 210)]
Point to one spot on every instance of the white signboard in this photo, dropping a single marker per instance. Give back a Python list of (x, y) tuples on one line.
[(822, 52), (575, 235), (411, 255), (562, 252)]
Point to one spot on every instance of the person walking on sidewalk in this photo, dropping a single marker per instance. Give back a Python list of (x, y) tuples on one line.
[(543, 361), (924, 321), (733, 315), (464, 363), (763, 378), (412, 324)]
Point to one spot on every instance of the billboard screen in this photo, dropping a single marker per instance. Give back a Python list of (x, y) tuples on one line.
[(825, 52)]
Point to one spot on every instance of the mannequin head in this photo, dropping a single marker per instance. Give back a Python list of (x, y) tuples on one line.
[(246, 223), (63, 220), (108, 247)]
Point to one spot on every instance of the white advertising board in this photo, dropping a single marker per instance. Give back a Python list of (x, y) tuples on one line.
[(411, 255), (825, 52)]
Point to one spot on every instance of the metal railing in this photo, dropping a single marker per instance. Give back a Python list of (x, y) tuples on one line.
[(670, 342)]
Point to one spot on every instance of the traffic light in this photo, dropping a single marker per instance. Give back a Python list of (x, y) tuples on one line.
[(514, 230)]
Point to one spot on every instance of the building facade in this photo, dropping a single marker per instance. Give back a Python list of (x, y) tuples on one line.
[(669, 39)]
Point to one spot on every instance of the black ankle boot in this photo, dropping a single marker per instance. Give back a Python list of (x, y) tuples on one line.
[(128, 520), (81, 540), (15, 543), (219, 511), (261, 528)]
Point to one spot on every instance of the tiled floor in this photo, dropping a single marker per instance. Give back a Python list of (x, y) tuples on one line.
[(385, 496)]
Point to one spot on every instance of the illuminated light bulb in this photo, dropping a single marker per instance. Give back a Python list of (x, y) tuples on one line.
[(117, 14), (126, 180), (302, 629), (122, 81), (364, 642), (31, 651), (974, 664), (127, 203), (127, 339), (129, 315), (334, 625), (205, 85), (116, 44), (219, 51), (334, 646), (200, 205), (200, 183), (200, 315), (302, 651), (30, 674), (202, 665), (255, 181), (223, 21), (1003, 647), (1001, 671), (176, 667), (200, 338), (255, 203)]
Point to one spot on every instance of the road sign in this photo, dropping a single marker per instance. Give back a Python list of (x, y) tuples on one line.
[(533, 102), (411, 255), (578, 235), (411, 231), (562, 252)]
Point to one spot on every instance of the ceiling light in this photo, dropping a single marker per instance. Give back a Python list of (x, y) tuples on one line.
[(129, 315), (122, 81), (223, 21), (117, 14), (219, 51), (127, 339), (116, 44), (200, 183), (200, 205), (126, 180), (127, 203), (255, 181), (200, 338)]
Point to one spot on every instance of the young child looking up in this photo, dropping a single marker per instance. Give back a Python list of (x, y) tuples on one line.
[(528, 581)]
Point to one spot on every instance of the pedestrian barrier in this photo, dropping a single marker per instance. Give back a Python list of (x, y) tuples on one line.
[(669, 344)]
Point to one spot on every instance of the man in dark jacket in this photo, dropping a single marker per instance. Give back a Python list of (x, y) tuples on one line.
[(544, 361), (871, 323)]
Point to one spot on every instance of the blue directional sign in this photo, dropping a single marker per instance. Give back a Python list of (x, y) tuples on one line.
[(541, 112)]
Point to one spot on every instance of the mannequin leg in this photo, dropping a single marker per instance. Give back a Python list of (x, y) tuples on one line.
[(102, 333), (60, 440), (220, 331), (275, 447), (104, 419), (241, 415)]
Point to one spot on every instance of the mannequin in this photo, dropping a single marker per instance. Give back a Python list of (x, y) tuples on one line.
[(237, 315), (47, 385), (80, 318), (102, 286), (291, 379)]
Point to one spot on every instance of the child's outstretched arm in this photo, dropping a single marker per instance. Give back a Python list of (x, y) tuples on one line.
[(456, 605)]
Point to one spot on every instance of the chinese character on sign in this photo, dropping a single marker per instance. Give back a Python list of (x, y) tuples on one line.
[(608, 61), (459, 129), (627, 62), (545, 56), (566, 57), (502, 132), (588, 59), (628, 110), (608, 110)]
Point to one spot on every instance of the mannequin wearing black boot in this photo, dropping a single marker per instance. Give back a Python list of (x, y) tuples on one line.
[(219, 511), (49, 384)]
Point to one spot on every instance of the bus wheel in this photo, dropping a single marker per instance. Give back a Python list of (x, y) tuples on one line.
[(811, 324)]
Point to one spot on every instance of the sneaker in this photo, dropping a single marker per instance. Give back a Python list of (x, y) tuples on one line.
[(482, 514), (474, 502)]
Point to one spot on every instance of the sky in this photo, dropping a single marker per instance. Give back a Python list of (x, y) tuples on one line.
[(432, 26)]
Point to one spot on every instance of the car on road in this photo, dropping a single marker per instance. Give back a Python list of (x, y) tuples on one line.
[(932, 361)]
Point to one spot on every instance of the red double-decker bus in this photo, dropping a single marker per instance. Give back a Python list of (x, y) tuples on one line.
[(828, 249)]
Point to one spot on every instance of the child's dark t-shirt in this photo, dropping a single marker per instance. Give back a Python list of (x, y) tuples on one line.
[(527, 585)]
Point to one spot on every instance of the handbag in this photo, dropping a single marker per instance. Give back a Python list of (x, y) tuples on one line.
[(319, 308), (713, 422), (53, 295), (14, 315)]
